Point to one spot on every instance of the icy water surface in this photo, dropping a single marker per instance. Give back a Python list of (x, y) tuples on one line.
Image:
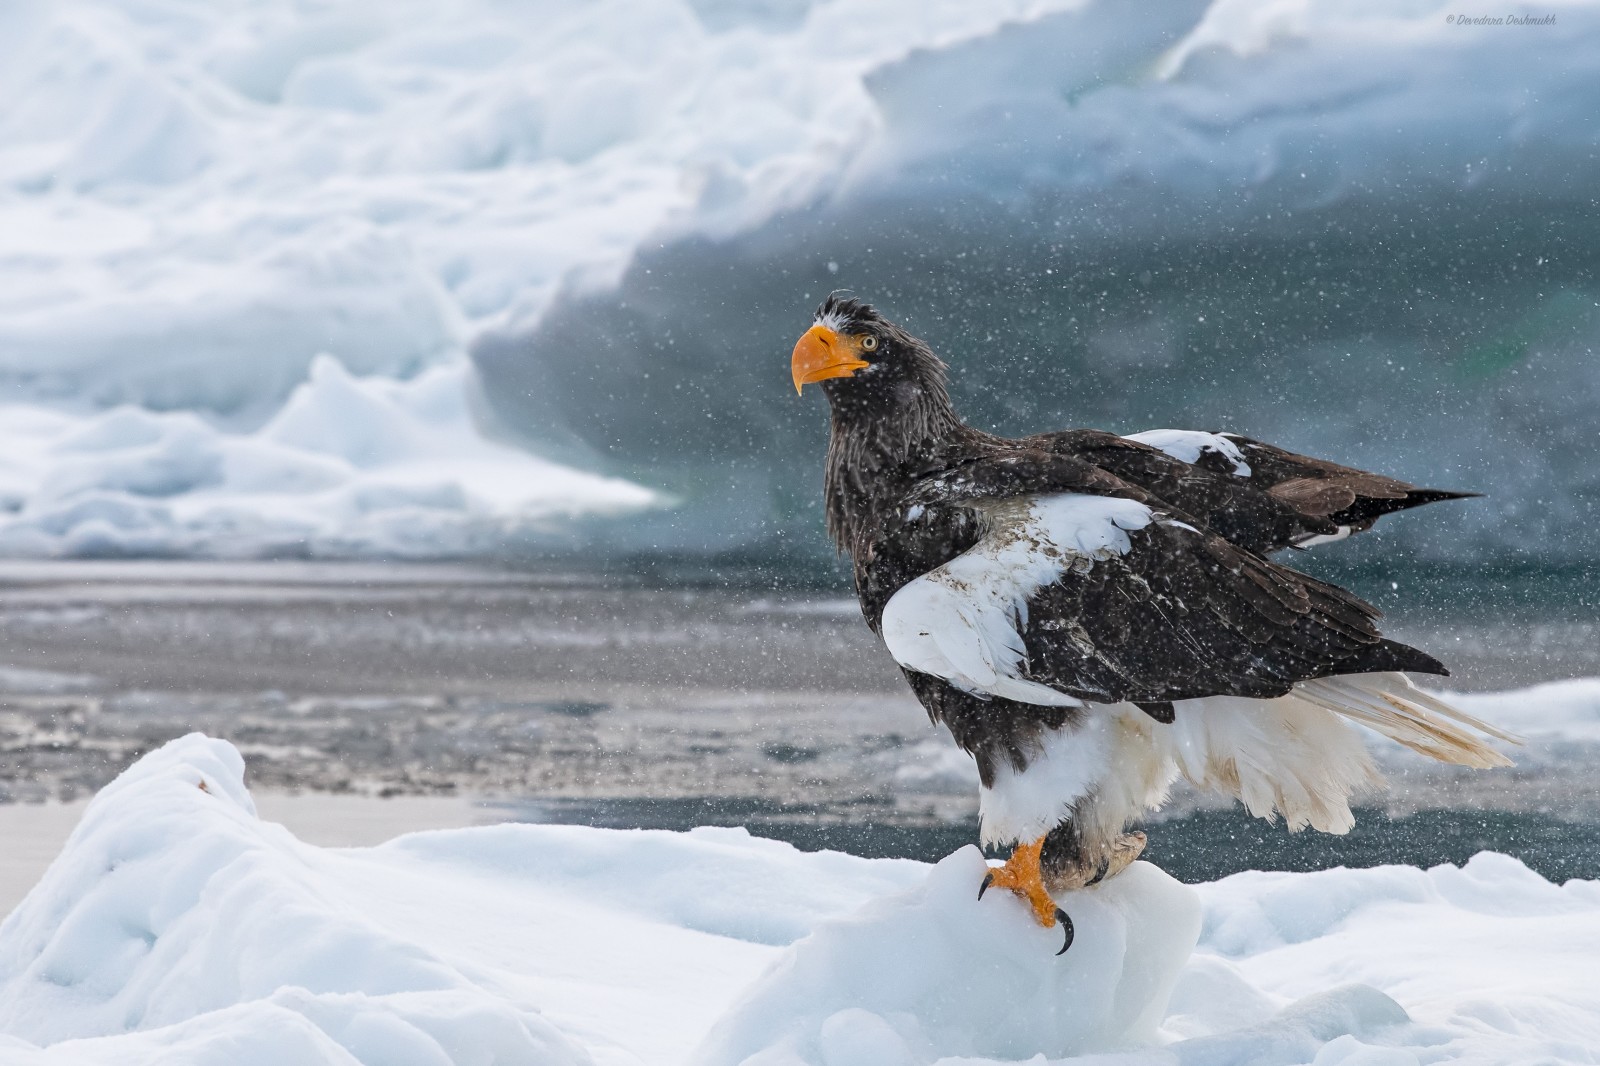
[(670, 703), (1195, 845)]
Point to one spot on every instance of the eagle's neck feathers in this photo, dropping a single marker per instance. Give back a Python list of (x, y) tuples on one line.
[(880, 437)]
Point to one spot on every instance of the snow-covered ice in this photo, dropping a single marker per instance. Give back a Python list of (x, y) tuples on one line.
[(931, 974), (212, 215), (347, 466), (176, 927), (207, 208)]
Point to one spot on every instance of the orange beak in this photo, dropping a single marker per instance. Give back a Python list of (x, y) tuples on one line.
[(821, 354)]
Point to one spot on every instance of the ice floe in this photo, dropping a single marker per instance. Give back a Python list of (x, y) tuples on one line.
[(349, 466), (624, 209), (178, 927), (203, 207)]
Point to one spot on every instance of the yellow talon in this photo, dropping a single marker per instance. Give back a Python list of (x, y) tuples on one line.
[(1021, 874)]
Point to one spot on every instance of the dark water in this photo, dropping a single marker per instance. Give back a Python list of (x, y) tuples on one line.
[(1196, 847), (638, 701)]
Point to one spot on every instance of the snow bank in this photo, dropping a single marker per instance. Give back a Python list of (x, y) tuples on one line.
[(625, 209), (909, 978), (176, 927), (348, 466), (201, 206)]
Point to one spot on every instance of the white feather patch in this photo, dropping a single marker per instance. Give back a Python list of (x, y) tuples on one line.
[(1106, 768), (1295, 757), (1283, 757), (1188, 445), (1323, 538), (1026, 804), (1390, 704), (833, 320), (963, 621)]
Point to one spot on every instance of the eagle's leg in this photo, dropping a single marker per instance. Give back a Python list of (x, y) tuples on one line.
[(1125, 849), (1022, 875), (1068, 862)]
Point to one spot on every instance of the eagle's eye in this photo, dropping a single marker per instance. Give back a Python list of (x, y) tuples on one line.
[(869, 343)]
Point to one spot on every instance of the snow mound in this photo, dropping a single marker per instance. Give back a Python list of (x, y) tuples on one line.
[(875, 989), (349, 466), (176, 927), (174, 915)]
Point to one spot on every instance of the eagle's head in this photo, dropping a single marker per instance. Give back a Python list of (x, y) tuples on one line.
[(862, 360)]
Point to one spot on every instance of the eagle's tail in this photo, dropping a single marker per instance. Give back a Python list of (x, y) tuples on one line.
[(1390, 704), (1296, 755)]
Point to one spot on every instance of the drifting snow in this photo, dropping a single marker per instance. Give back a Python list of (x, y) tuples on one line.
[(176, 926)]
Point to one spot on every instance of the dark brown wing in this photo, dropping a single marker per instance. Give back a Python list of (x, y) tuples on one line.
[(1282, 499), (1182, 613), (1343, 495)]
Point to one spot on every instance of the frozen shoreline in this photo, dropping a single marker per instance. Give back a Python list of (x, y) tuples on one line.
[(175, 922)]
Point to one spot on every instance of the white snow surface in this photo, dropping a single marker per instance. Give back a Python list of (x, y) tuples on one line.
[(176, 927), (348, 466)]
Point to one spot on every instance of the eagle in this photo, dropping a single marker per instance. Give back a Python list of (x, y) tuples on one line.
[(1095, 616)]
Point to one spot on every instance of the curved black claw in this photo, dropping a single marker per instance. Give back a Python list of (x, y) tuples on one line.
[(1105, 864), (1066, 925), (988, 879)]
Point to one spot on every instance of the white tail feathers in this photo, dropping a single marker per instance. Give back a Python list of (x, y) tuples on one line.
[(1296, 756), (1390, 704), (1285, 756)]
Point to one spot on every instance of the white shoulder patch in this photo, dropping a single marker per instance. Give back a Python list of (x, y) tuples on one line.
[(1323, 538), (1189, 444), (963, 621)]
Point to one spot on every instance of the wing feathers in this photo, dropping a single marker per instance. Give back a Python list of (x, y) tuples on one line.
[(1390, 704), (1259, 497), (1087, 597)]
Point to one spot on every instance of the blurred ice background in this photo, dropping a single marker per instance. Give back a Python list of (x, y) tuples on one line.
[(482, 279)]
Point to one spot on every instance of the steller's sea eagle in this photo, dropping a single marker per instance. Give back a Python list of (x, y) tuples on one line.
[(1094, 616)]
